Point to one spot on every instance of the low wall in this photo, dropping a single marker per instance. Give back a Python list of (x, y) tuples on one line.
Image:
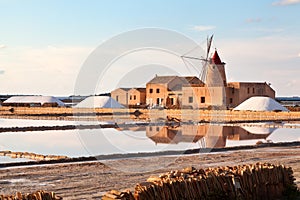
[(145, 114), (258, 181)]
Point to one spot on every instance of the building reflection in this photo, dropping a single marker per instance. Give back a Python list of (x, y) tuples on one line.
[(208, 135)]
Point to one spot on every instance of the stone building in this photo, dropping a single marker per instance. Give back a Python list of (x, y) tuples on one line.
[(216, 92), (166, 91), (120, 95), (191, 92), (137, 97), (130, 96)]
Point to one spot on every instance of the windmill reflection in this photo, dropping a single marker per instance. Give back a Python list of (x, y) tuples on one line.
[(208, 135)]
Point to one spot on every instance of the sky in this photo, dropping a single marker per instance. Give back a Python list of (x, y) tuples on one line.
[(45, 44)]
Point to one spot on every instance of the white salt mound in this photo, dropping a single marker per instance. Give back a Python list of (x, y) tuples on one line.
[(34, 99), (99, 102), (261, 104)]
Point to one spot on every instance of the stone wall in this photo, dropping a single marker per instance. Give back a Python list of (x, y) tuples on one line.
[(256, 181)]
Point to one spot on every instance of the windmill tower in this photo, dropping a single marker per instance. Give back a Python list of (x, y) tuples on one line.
[(213, 69), (213, 75), (215, 72)]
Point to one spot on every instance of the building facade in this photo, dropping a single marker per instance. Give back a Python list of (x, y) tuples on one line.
[(166, 91), (218, 93), (238, 92), (191, 92), (137, 97), (130, 96), (120, 95)]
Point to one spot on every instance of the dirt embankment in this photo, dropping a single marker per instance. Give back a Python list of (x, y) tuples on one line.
[(103, 114), (92, 179)]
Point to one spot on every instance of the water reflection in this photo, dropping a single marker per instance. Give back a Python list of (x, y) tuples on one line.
[(208, 135), (76, 143)]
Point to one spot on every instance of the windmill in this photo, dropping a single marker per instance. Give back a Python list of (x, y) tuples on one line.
[(205, 61)]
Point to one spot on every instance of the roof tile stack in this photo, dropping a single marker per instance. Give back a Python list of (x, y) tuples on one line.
[(257, 181)]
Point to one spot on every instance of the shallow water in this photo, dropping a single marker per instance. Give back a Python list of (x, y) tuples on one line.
[(5, 159), (30, 122), (76, 143)]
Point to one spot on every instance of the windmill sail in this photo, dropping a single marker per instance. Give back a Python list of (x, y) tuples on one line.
[(204, 68), (205, 60), (209, 41)]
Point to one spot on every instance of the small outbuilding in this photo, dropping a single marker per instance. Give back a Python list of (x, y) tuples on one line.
[(33, 101), (99, 102), (258, 103)]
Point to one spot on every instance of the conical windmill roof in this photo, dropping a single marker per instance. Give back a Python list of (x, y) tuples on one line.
[(216, 58)]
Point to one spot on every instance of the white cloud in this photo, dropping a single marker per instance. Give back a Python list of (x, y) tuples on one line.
[(285, 2), (253, 20), (2, 46), (203, 28)]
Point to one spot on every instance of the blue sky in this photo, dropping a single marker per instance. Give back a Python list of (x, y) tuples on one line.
[(43, 44)]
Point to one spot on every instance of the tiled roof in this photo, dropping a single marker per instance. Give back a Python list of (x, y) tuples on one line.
[(140, 89), (162, 79), (125, 89), (167, 79), (189, 78), (177, 87), (34, 99)]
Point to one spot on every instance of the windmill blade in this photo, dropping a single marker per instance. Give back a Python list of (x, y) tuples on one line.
[(190, 57), (203, 72), (188, 64), (204, 68), (202, 75), (209, 41)]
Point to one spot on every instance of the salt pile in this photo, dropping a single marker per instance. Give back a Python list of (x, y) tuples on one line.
[(261, 104), (33, 99), (99, 102)]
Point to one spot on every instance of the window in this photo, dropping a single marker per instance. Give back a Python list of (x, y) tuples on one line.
[(134, 97), (202, 99), (253, 90), (158, 101), (157, 90), (130, 97), (190, 99), (248, 90), (117, 98), (150, 128), (230, 100), (232, 90), (157, 128), (151, 90), (172, 101)]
